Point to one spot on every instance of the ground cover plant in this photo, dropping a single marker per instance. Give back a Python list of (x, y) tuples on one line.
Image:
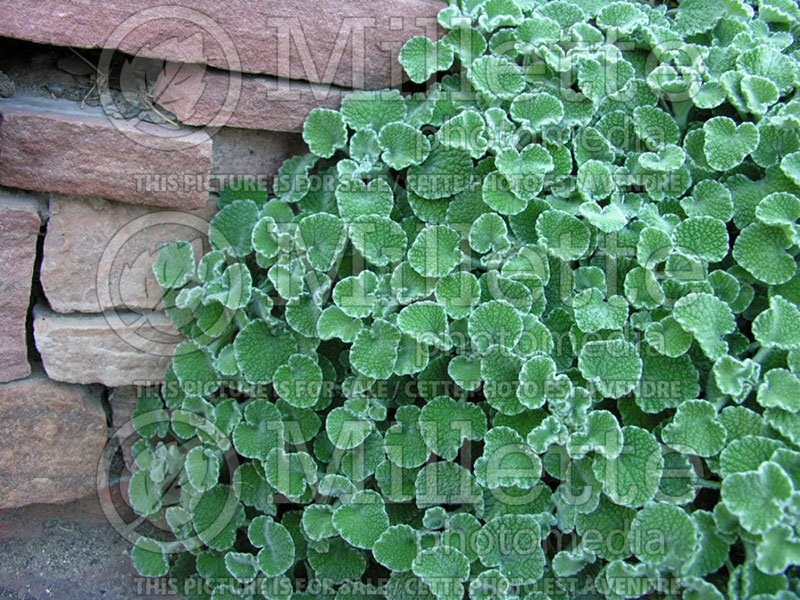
[(532, 333)]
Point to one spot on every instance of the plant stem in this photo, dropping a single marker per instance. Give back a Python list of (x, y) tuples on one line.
[(707, 483), (241, 319), (762, 354), (729, 566), (681, 112)]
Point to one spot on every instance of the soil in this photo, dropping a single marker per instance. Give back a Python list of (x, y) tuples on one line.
[(66, 553)]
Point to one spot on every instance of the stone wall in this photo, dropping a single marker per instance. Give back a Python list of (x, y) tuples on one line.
[(138, 113)]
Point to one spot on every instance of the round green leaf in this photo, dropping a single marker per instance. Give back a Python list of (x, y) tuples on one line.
[(564, 236), (396, 548), (362, 520), (445, 172), (703, 237), (442, 569), (695, 430), (613, 365), (149, 557), (435, 251), (444, 425), (708, 318), (663, 535), (375, 349), (758, 497), (324, 131), (632, 478), (299, 381), (403, 146)]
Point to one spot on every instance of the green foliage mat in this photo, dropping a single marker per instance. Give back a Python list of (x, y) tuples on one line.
[(530, 334)]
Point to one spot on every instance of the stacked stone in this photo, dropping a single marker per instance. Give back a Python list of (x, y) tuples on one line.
[(81, 311)]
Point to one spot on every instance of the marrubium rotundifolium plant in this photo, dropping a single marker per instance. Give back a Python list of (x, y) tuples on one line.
[(531, 334)]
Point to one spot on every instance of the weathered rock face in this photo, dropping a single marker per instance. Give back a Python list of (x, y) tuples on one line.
[(195, 95), (53, 435), (122, 402), (352, 43), (55, 146), (99, 255), (254, 155), (114, 348), (19, 230)]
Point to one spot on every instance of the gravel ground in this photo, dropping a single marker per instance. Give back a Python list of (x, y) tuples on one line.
[(65, 553)]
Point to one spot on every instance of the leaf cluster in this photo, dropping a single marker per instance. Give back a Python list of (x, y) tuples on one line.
[(531, 331)]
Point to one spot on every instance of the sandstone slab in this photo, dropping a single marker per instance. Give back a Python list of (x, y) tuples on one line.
[(98, 255), (353, 43), (56, 146), (196, 94), (122, 402), (52, 437), (19, 231), (114, 348), (252, 155)]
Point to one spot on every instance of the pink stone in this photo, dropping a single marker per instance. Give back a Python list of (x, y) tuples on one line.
[(55, 146), (251, 154), (352, 43), (196, 96), (114, 349), (19, 230), (52, 437), (93, 243), (122, 402)]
